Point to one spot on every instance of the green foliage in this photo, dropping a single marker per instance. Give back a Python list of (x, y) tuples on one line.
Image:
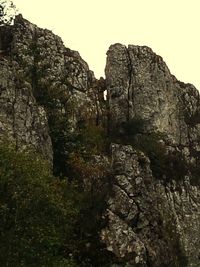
[(98, 179), (63, 142), (164, 164), (85, 142), (45, 221), (167, 165), (125, 131), (92, 138), (37, 212), (133, 127), (193, 119)]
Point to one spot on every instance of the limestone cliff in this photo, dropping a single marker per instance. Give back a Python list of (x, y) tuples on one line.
[(140, 85), (52, 103), (42, 79), (148, 215)]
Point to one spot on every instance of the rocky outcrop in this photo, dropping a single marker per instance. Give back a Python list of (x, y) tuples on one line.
[(150, 224), (54, 71), (22, 120), (48, 96), (141, 86), (45, 82)]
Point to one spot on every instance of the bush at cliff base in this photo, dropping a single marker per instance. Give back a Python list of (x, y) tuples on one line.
[(37, 212)]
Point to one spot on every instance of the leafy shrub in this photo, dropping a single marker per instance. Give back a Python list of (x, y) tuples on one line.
[(97, 180), (133, 127), (93, 138), (192, 119), (45, 221), (126, 131), (37, 212), (165, 164)]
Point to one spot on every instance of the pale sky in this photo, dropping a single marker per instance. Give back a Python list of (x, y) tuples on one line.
[(170, 27)]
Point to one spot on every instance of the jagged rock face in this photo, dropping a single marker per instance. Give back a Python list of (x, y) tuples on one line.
[(54, 71), (21, 119), (44, 81), (150, 224), (47, 91), (141, 86)]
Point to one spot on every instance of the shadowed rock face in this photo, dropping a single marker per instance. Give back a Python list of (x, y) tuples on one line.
[(47, 91)]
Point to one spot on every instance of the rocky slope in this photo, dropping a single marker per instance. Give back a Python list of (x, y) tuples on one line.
[(150, 120)]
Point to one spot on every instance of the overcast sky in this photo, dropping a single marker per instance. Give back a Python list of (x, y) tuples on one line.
[(170, 27)]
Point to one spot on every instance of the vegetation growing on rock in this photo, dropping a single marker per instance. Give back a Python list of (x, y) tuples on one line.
[(41, 216), (134, 203)]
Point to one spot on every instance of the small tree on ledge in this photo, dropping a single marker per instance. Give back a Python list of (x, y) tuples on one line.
[(7, 12)]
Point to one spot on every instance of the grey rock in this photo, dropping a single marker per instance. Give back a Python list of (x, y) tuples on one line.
[(141, 86), (48, 80), (54, 70), (22, 120), (149, 222)]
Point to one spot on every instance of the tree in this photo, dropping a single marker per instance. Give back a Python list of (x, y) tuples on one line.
[(7, 12)]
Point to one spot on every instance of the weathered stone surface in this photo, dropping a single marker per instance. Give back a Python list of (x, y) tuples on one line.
[(122, 240), (141, 86), (54, 71), (181, 212), (53, 79), (47, 92), (150, 224), (21, 119)]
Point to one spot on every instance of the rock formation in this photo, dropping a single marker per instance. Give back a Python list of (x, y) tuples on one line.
[(150, 224), (140, 85), (48, 94)]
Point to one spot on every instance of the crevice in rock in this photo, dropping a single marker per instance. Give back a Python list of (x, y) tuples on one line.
[(130, 89), (14, 119), (34, 79), (133, 222), (148, 261)]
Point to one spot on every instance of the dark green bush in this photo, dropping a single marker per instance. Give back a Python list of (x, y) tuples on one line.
[(92, 138), (166, 165), (37, 212), (125, 132), (133, 127), (45, 221)]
